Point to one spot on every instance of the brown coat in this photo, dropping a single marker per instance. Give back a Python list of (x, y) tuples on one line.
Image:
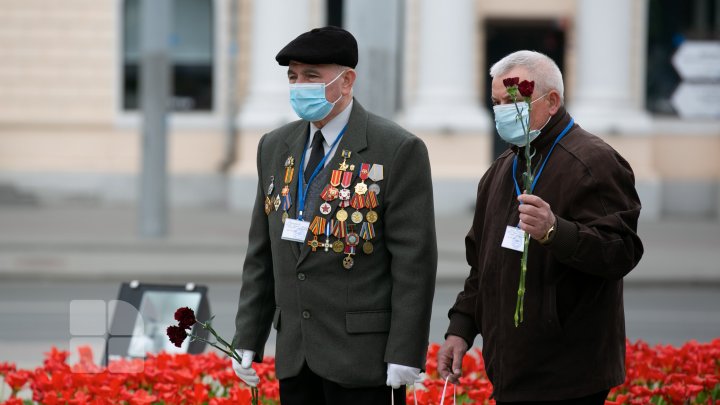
[(572, 340)]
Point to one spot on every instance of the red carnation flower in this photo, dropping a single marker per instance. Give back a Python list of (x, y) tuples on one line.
[(526, 88), (186, 317), (511, 81), (177, 335)]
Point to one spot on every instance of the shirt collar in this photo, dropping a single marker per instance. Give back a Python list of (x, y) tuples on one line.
[(332, 129)]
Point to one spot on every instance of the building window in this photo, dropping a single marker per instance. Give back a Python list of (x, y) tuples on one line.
[(191, 55), (670, 24)]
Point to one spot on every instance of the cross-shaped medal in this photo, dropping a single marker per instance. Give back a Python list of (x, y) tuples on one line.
[(314, 243)]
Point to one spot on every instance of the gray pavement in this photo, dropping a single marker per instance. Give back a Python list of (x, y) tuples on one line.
[(101, 243)]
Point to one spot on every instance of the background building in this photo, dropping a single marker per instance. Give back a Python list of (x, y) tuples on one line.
[(70, 128)]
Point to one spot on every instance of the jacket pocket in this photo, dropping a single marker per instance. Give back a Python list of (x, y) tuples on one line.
[(551, 313), (367, 321), (276, 319)]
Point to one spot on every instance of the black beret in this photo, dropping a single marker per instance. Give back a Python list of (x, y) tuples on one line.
[(326, 45)]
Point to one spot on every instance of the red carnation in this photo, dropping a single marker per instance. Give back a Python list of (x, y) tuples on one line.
[(186, 317), (511, 81), (526, 88), (177, 335)]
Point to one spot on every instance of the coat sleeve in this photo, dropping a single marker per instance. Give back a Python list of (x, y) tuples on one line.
[(411, 240), (599, 235), (256, 305)]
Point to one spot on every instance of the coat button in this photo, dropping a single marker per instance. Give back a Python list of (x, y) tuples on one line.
[(306, 314), (301, 276)]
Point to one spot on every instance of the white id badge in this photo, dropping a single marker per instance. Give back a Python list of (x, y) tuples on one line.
[(514, 238), (295, 230)]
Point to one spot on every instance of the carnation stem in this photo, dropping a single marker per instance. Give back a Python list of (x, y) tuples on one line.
[(519, 307)]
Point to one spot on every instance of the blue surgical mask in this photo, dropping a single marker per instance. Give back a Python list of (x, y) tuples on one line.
[(309, 102), (507, 122)]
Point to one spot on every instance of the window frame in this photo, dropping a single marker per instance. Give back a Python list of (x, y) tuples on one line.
[(211, 119)]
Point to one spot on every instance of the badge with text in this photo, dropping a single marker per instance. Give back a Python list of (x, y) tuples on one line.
[(514, 238), (295, 230)]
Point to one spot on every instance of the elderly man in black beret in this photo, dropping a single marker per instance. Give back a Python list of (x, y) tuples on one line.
[(342, 252)]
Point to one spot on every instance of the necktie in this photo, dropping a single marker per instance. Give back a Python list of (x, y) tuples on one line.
[(317, 154)]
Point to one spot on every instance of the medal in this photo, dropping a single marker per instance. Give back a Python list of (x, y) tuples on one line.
[(368, 247), (329, 193), (286, 199), (289, 169), (338, 246), (328, 232), (376, 173), (268, 198), (316, 227), (348, 261), (271, 187), (367, 232), (371, 202), (344, 194), (361, 188), (352, 239), (371, 217), (357, 202), (375, 188), (276, 202), (345, 155), (325, 208), (268, 205), (313, 243), (283, 199), (341, 215)]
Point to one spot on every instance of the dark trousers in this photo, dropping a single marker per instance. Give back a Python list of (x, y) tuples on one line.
[(308, 388), (594, 399)]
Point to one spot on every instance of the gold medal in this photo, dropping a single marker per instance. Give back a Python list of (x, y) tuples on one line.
[(338, 246), (356, 217), (341, 215), (371, 216), (368, 247), (348, 262), (268, 205)]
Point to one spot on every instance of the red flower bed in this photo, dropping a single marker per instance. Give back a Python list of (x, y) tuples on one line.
[(658, 375)]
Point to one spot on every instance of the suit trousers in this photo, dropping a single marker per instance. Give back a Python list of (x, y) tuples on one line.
[(594, 399), (308, 388)]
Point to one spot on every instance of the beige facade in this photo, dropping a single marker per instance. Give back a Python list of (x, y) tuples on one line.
[(64, 136)]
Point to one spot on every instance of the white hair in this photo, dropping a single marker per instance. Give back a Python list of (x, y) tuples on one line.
[(545, 71)]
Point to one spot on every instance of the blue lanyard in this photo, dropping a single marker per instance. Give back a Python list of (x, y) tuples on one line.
[(303, 188), (537, 176)]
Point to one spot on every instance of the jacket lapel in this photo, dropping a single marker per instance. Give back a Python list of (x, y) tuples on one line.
[(355, 141), (295, 147)]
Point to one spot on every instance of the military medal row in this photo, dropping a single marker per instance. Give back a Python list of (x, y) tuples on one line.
[(365, 196)]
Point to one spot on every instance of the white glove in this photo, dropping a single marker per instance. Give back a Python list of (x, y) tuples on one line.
[(398, 376), (244, 370)]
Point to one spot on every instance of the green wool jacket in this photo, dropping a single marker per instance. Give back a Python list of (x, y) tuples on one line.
[(346, 324)]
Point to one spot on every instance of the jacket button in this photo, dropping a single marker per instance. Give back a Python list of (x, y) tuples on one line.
[(301, 276), (306, 314)]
